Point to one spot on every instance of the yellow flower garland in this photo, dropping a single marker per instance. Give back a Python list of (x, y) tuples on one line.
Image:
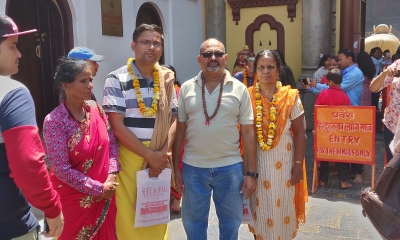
[(147, 112), (265, 145)]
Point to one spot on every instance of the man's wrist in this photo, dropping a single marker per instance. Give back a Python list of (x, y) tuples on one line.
[(252, 174)]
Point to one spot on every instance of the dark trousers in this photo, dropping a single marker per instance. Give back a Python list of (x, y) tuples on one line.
[(388, 138), (375, 99), (324, 171), (356, 168)]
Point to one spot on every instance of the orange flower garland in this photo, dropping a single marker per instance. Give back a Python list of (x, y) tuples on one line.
[(147, 112), (245, 77), (265, 144), (176, 87)]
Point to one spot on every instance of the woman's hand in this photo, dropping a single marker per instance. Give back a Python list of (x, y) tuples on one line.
[(111, 177), (178, 180), (109, 190), (390, 71), (297, 173)]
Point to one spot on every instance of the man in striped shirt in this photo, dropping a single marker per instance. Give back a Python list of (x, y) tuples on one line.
[(136, 127)]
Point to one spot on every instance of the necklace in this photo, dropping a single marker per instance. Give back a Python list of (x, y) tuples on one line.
[(221, 89), (266, 144), (147, 112), (245, 77), (84, 126)]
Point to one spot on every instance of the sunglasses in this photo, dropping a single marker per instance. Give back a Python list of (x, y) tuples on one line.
[(210, 54)]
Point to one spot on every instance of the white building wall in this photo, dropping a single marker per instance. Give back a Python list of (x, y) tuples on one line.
[(183, 29), (3, 4), (188, 34)]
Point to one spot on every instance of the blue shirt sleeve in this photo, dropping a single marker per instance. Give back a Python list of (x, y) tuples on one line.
[(351, 80), (17, 109), (318, 88), (239, 76)]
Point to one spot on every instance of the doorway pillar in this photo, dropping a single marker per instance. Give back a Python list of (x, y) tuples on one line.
[(215, 20)]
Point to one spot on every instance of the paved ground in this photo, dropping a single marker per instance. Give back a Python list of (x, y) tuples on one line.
[(332, 213)]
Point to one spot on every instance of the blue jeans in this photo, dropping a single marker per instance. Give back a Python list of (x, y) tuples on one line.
[(225, 183)]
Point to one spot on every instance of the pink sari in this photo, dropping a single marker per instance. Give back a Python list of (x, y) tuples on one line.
[(85, 216)]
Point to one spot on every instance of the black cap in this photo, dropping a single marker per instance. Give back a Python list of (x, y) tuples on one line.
[(8, 28)]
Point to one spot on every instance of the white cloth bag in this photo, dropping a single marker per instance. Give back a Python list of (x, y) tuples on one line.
[(152, 202), (247, 216)]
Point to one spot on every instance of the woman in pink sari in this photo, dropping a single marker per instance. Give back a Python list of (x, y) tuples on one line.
[(83, 155)]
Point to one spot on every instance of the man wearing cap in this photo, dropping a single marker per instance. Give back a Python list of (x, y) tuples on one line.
[(90, 57), (87, 55), (23, 174)]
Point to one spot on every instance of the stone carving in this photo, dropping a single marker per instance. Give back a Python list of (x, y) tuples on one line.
[(236, 5)]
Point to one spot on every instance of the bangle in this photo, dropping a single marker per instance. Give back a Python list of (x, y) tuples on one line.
[(298, 162)]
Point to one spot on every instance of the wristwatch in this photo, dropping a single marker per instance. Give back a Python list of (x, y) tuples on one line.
[(252, 174)]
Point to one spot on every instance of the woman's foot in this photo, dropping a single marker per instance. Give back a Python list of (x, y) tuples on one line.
[(321, 183), (176, 205), (358, 178), (344, 185)]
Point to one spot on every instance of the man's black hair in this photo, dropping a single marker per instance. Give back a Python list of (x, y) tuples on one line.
[(348, 53), (146, 27)]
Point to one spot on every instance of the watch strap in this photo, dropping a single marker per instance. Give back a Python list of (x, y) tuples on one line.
[(252, 174)]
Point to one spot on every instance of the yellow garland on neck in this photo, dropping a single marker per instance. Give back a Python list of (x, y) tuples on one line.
[(147, 112), (266, 145)]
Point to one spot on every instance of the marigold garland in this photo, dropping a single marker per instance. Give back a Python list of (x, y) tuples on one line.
[(245, 78), (147, 112), (266, 145), (176, 87)]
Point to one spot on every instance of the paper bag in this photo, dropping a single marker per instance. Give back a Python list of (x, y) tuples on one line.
[(247, 216), (153, 194)]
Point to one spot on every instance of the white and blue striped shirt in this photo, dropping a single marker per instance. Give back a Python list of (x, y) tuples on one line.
[(119, 96)]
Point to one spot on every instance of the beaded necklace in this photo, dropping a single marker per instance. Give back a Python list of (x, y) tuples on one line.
[(221, 89)]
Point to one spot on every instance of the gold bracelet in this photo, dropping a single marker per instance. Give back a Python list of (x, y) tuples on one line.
[(298, 162)]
